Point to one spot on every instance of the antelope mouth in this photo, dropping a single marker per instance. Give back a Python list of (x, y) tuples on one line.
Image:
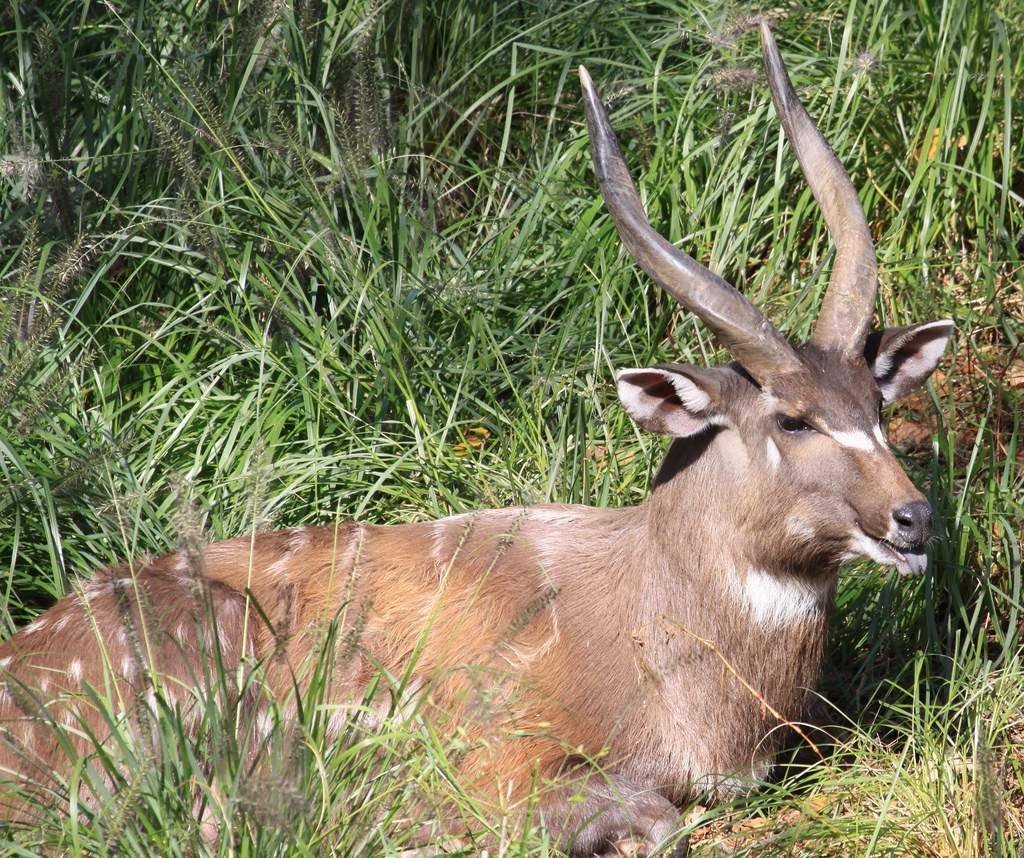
[(908, 559)]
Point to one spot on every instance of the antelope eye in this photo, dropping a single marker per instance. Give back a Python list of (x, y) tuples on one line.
[(793, 425)]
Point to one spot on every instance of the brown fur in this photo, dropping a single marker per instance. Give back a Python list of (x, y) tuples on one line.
[(553, 634)]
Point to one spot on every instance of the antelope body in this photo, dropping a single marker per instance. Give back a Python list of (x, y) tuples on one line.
[(671, 640)]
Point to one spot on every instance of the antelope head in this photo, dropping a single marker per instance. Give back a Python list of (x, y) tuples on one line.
[(804, 418)]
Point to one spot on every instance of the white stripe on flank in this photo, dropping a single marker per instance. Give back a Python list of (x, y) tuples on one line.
[(264, 725), (37, 626), (279, 568), (438, 532), (298, 539)]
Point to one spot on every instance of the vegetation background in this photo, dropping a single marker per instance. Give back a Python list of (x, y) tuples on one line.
[(286, 261)]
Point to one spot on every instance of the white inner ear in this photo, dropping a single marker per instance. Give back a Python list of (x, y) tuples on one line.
[(660, 414), (915, 366)]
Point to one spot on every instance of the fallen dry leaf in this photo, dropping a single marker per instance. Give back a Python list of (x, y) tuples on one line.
[(472, 439)]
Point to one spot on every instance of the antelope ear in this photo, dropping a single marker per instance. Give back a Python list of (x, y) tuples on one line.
[(902, 358), (670, 399)]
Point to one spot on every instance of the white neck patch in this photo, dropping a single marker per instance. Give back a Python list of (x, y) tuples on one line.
[(779, 600)]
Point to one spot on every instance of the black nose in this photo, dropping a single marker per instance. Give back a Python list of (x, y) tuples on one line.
[(913, 522)]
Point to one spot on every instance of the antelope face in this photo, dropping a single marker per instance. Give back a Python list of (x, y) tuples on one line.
[(816, 463), (807, 417), (825, 442)]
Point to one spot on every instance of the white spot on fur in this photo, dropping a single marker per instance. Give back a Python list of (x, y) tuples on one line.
[(62, 621), (438, 532), (854, 439), (298, 538), (337, 722), (448, 530), (774, 459), (547, 529), (181, 631), (520, 654), (228, 610), (224, 640), (95, 589), (264, 725), (44, 684), (127, 667), (6, 660), (279, 568), (383, 709), (780, 600), (5, 696), (75, 670), (38, 626)]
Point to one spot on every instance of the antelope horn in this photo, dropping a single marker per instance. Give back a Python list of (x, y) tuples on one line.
[(737, 323), (850, 299)]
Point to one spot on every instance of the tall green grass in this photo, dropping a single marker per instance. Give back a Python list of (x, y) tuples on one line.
[(312, 260)]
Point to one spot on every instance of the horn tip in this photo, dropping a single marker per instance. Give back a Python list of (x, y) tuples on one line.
[(767, 38), (588, 84)]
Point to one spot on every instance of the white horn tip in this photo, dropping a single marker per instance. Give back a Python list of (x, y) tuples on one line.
[(585, 78)]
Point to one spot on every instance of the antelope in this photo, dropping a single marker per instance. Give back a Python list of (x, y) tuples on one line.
[(597, 634)]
